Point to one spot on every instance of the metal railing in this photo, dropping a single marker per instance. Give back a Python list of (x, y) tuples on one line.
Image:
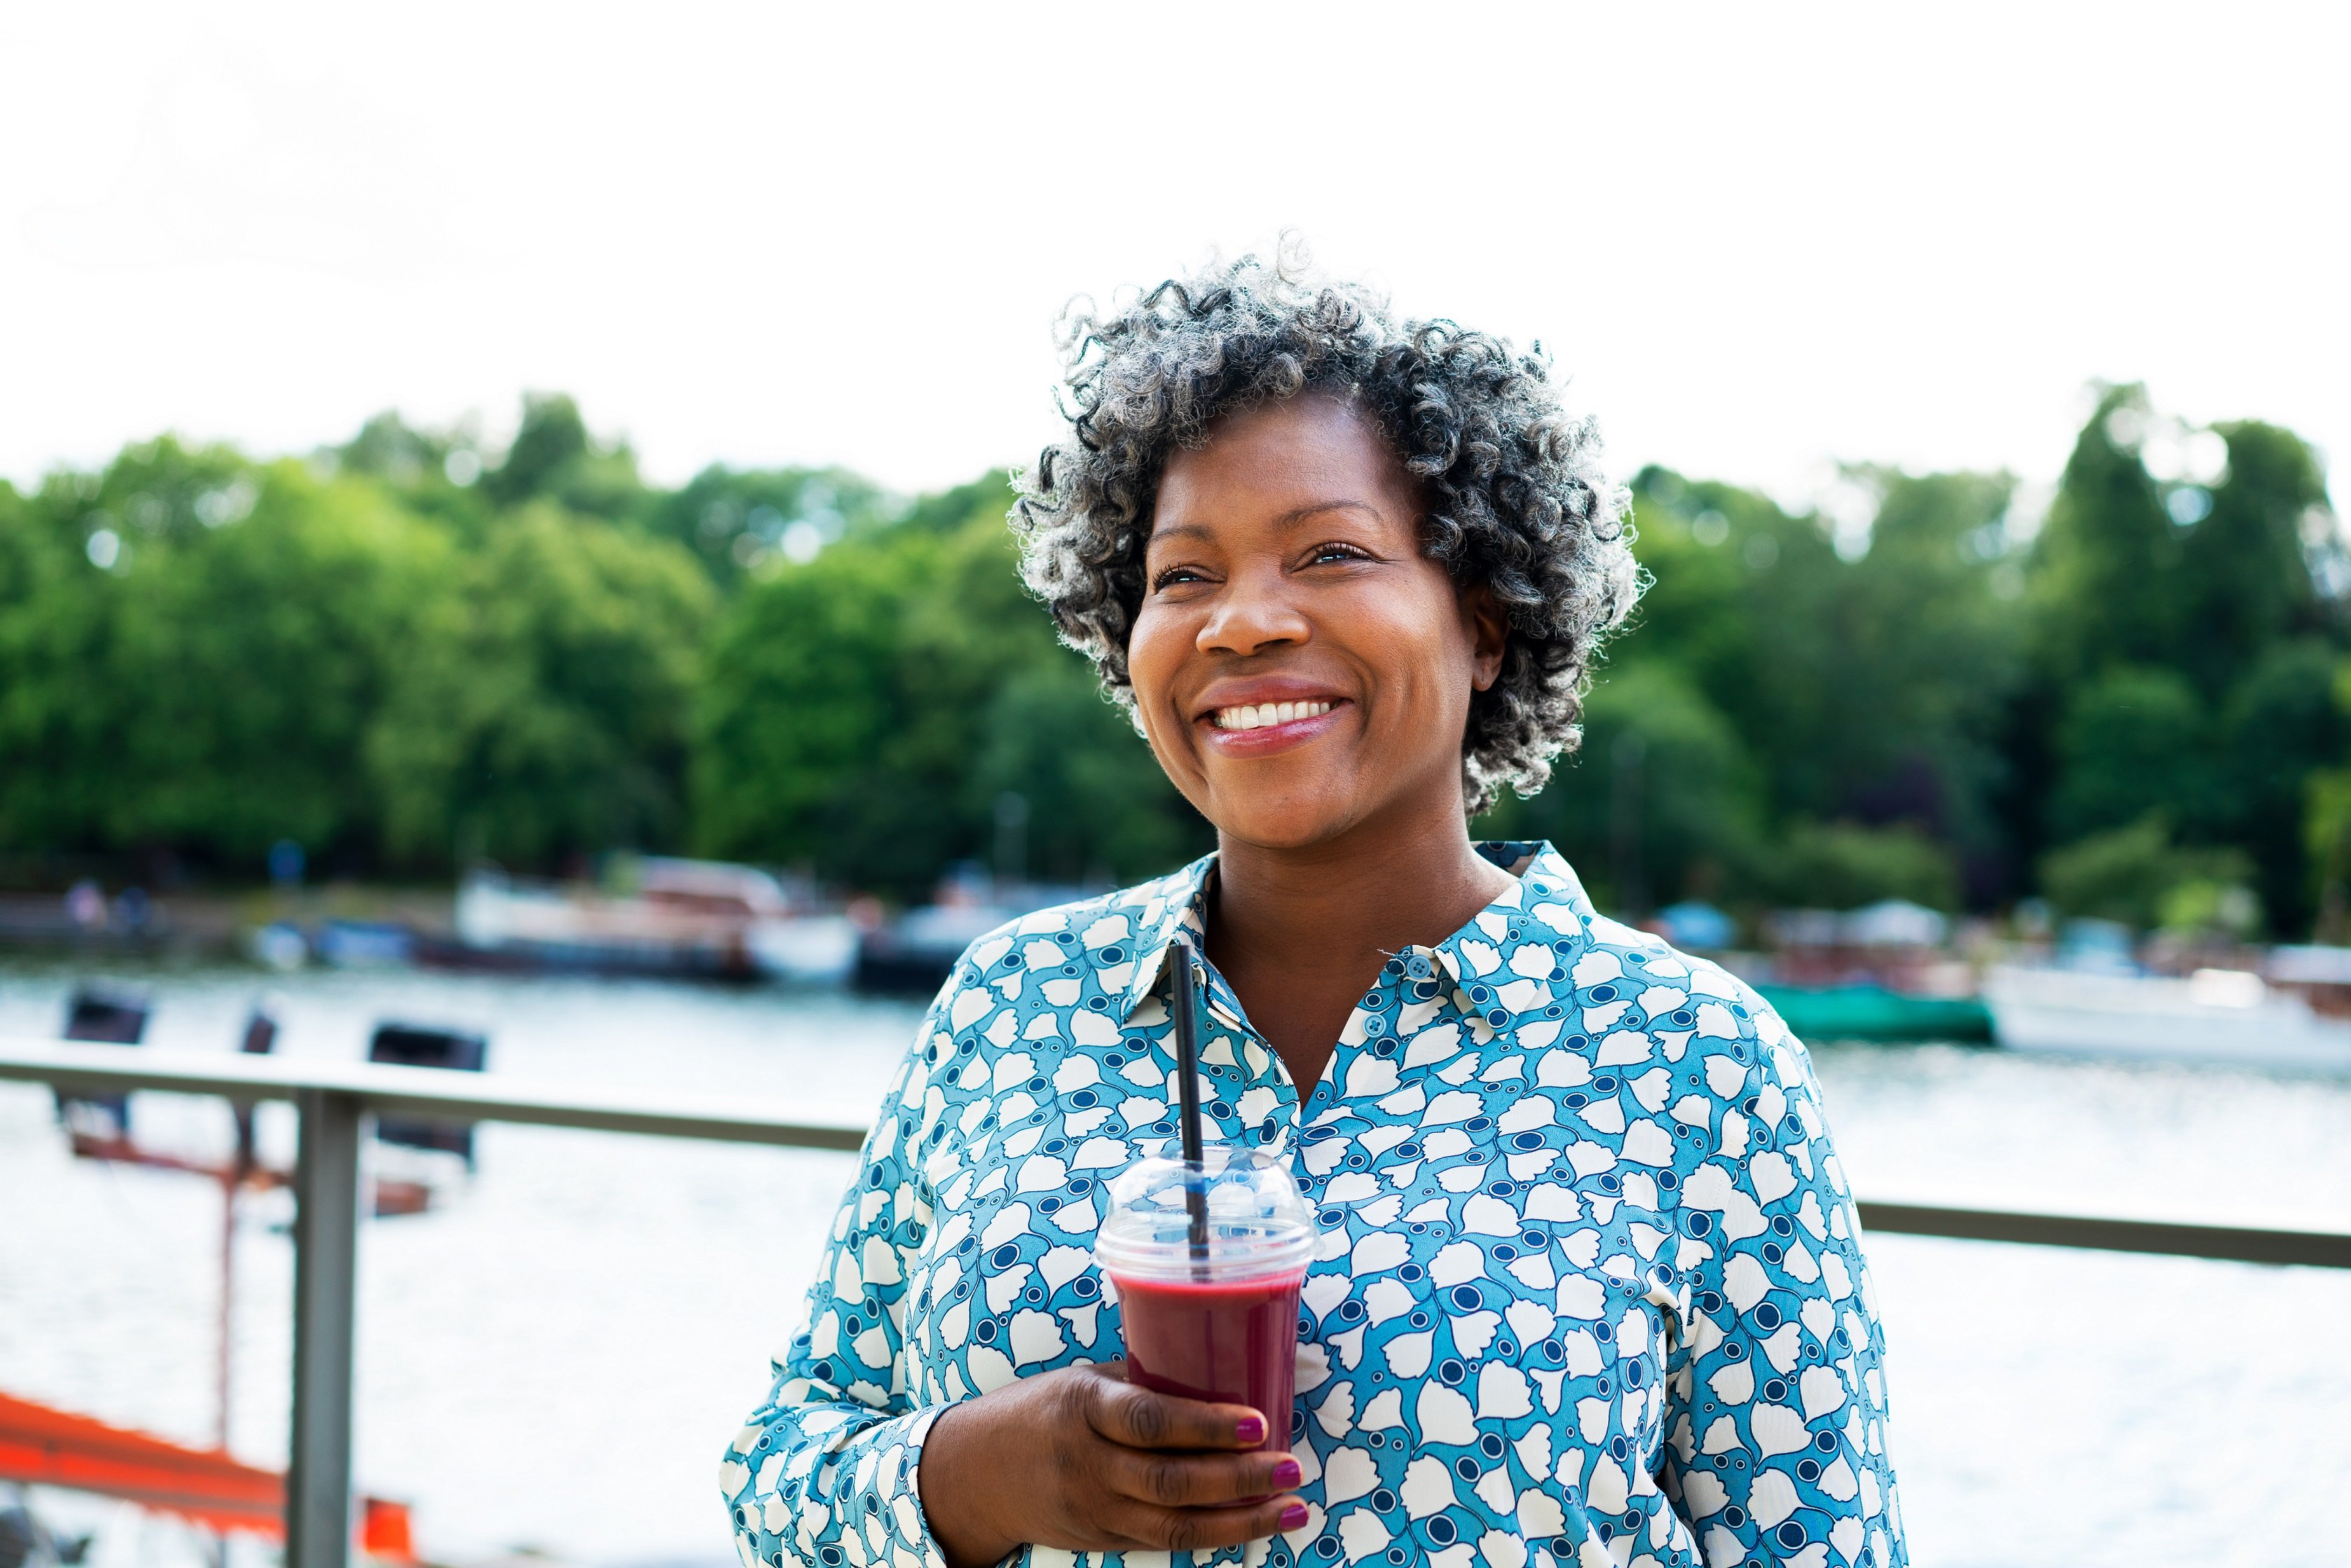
[(331, 1101)]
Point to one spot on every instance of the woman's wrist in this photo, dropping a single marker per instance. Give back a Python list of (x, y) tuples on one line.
[(951, 1481)]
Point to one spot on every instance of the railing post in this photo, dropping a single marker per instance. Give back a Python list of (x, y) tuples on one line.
[(325, 1255)]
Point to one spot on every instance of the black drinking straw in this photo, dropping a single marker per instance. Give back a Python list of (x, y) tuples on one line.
[(1187, 1096)]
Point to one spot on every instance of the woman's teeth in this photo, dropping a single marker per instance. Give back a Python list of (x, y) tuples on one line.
[(1258, 716)]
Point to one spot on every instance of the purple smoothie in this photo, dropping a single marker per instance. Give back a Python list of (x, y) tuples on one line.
[(1229, 1342)]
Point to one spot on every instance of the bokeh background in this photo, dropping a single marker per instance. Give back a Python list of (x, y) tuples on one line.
[(441, 434)]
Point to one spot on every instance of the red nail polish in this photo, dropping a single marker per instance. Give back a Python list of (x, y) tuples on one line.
[(1249, 1429), (1287, 1474), (1294, 1516)]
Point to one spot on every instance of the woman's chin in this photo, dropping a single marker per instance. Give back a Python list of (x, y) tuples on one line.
[(1289, 820)]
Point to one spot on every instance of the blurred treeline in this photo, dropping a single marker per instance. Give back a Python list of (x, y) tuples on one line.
[(404, 658)]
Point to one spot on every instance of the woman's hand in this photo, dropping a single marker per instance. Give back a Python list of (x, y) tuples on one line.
[(1082, 1459)]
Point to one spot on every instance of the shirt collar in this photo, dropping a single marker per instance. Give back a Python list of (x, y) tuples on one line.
[(1477, 957), (1175, 903), (1497, 981)]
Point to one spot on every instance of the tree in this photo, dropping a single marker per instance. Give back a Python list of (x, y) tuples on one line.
[(736, 520), (865, 709), (57, 702), (202, 676), (2282, 726), (2137, 875), (255, 659), (2105, 578), (554, 458), (1661, 802), (2135, 740), (1095, 803), (1843, 865), (803, 694), (2245, 583), (540, 710)]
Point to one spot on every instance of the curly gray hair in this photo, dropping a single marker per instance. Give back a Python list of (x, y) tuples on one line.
[(1516, 499)]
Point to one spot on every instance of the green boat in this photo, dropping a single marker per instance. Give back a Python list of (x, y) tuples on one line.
[(1873, 1012)]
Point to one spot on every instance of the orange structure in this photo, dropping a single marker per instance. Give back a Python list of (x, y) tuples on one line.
[(41, 1446)]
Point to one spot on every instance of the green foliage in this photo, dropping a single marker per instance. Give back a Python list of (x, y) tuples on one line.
[(1872, 687), (1096, 804), (541, 708), (863, 711), (1658, 751), (265, 653), (1841, 865), (554, 458), (2107, 564), (2134, 740), (210, 683), (2282, 723), (402, 658), (2139, 875), (736, 520)]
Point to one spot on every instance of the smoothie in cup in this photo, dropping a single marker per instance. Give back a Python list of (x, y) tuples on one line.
[(1212, 1318)]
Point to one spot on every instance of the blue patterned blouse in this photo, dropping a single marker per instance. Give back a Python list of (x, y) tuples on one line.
[(1590, 1290)]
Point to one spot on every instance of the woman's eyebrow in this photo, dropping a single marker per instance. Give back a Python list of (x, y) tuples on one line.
[(1315, 508), (1290, 519)]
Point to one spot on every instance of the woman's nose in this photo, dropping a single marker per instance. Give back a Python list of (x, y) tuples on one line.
[(1253, 613)]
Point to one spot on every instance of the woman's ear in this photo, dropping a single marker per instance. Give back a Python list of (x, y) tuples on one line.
[(1490, 629)]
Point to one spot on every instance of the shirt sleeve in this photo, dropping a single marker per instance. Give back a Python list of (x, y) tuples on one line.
[(825, 1472), (1777, 1446)]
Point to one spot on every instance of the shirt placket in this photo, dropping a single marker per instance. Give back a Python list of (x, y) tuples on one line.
[(1255, 1063), (1408, 976)]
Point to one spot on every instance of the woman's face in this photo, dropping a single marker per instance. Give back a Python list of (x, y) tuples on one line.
[(1300, 667)]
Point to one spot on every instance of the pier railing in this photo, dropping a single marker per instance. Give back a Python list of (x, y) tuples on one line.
[(332, 1100)]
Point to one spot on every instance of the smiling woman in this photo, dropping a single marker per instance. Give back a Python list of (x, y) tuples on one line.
[(1587, 1287)]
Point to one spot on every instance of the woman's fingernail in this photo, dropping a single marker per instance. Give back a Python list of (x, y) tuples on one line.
[(1294, 1516), (1287, 1474), (1249, 1429)]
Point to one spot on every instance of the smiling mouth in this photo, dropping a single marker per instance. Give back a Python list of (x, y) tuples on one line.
[(1264, 715)]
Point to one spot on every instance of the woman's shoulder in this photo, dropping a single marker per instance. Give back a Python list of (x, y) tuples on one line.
[(1080, 957), (1692, 1008)]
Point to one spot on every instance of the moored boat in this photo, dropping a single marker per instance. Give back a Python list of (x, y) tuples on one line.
[(1873, 1012), (2212, 1015), (680, 917)]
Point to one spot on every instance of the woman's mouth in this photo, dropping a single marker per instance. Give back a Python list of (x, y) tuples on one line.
[(1259, 729), (1266, 716)]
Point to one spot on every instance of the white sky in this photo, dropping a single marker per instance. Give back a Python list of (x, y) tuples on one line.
[(1758, 238)]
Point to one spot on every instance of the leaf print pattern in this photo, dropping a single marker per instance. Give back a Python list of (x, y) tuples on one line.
[(1590, 1290)]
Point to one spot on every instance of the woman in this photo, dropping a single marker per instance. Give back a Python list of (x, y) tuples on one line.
[(1589, 1290)]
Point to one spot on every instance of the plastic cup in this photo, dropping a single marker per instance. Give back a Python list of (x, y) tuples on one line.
[(1217, 1322)]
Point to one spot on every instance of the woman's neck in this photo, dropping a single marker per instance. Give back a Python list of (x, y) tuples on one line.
[(1299, 933)]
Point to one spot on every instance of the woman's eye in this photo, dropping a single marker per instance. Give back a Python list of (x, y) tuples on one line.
[(1334, 552), (1174, 576)]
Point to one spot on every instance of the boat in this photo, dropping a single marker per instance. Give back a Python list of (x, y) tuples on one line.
[(918, 951), (915, 952), (1873, 1012), (2230, 1016), (2319, 975), (676, 917)]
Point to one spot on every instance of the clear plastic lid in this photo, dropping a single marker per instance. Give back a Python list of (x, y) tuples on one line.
[(1258, 1223)]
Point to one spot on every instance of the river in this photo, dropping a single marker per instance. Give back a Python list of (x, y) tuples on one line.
[(551, 1361)]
